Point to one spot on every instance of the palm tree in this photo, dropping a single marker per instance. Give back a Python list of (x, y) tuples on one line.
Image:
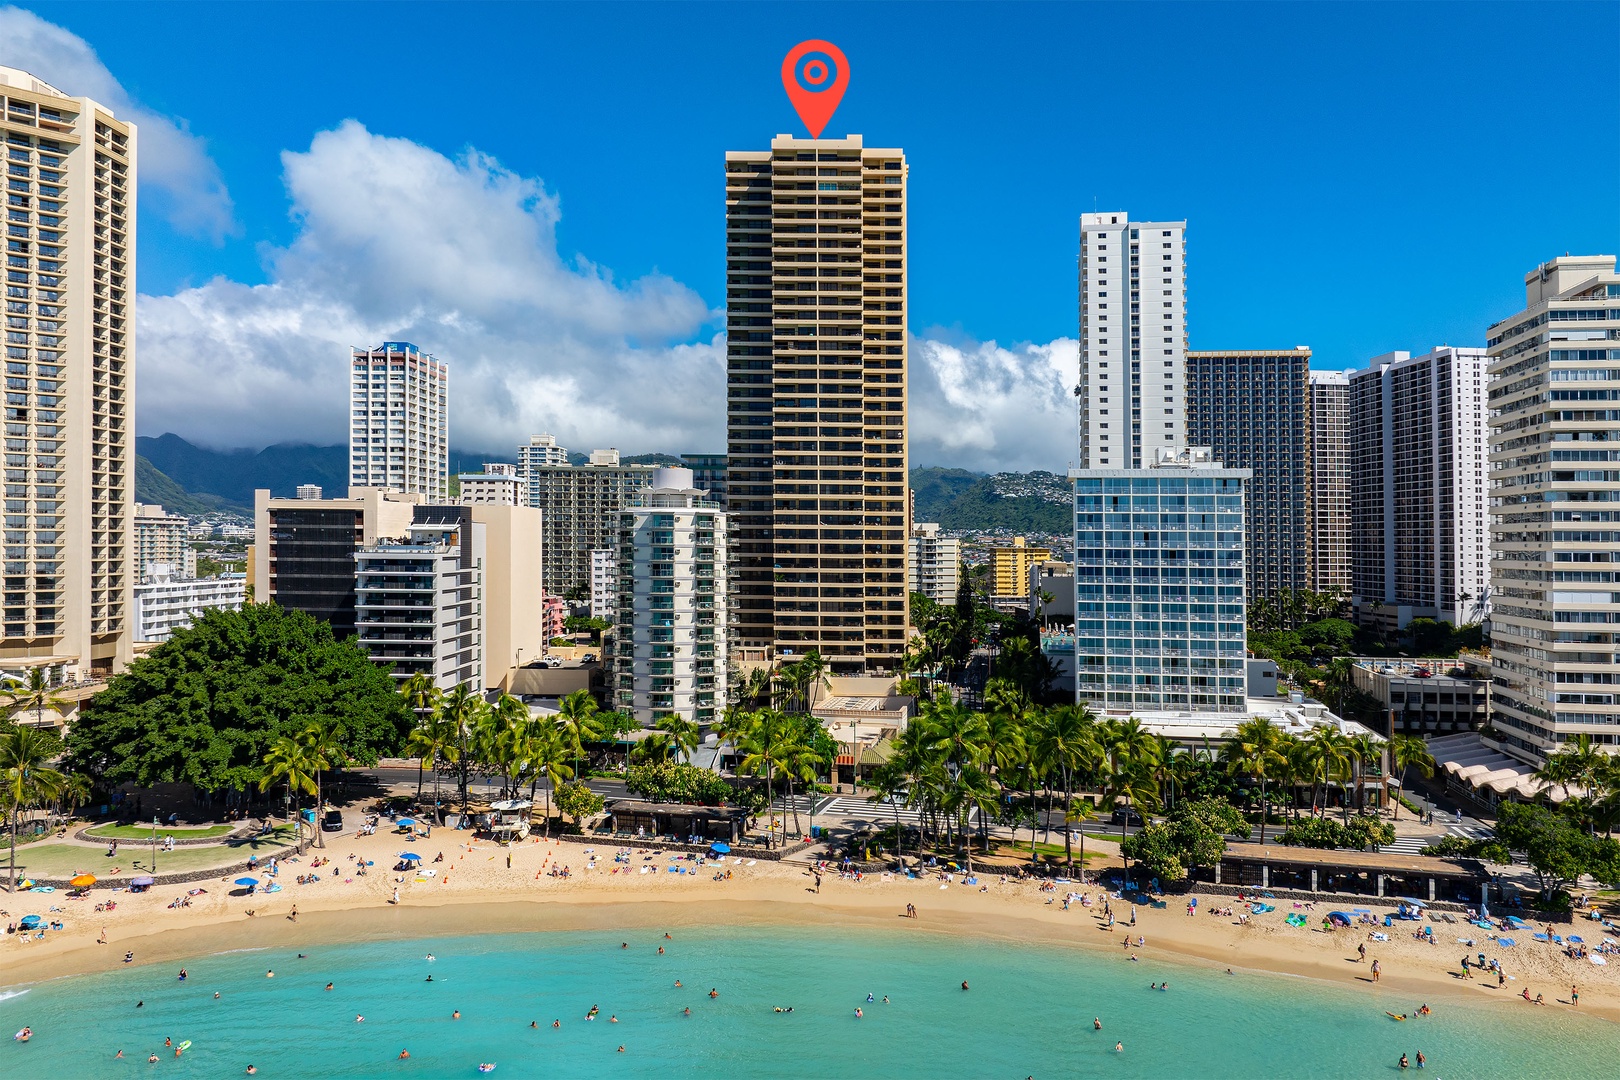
[(671, 732), (36, 694), (1407, 752), (764, 743), (1256, 748), (1364, 749), (891, 783), (323, 749), (287, 762), (423, 696), (431, 740), (576, 720), (463, 710), (507, 731), (1064, 742), (27, 777), (1079, 813), (74, 793), (1130, 755), (1330, 753), (548, 757)]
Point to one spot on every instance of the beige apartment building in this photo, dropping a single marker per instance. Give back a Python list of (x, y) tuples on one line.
[(70, 192), (816, 361), (314, 555), (1330, 482), (579, 507)]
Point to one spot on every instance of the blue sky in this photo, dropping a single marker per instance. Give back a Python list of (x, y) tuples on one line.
[(1358, 178)]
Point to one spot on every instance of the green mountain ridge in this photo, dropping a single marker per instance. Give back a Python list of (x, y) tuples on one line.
[(963, 501)]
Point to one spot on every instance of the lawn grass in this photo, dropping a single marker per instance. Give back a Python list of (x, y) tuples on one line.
[(59, 860), (144, 832), (1053, 850)]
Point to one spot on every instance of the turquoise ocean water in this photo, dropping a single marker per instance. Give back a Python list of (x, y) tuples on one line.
[(1028, 1013)]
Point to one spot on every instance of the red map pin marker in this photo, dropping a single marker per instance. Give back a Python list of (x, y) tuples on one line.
[(815, 76)]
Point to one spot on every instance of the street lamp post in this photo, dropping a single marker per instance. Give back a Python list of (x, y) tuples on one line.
[(154, 843)]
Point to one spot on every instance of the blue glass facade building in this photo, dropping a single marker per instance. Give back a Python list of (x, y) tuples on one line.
[(1159, 587)]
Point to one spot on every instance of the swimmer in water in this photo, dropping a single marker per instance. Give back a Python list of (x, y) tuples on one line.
[(359, 1019), (714, 993), (428, 979), (1119, 1048), (534, 1023), (621, 1048), (858, 1013), (1096, 1023), (140, 1004), (885, 999), (613, 1019), (216, 995), (152, 1060), (556, 1023), (403, 1054), (660, 950), (668, 938), (456, 1015), (687, 1011), (869, 999), (252, 1070), (624, 944), (964, 984), (270, 974), (329, 986), (677, 984), (430, 956)]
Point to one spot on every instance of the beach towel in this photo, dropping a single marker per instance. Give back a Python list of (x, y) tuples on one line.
[(1598, 960), (1506, 942), (1296, 919)]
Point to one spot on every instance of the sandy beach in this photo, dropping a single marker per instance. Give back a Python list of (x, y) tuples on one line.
[(474, 890)]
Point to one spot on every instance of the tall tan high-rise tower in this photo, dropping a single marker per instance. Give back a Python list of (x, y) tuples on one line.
[(816, 400), (70, 379)]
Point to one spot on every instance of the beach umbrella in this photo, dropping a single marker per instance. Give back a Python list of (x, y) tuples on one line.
[(247, 882), (410, 856), (142, 880), (83, 881), (720, 847), (405, 822), (28, 922)]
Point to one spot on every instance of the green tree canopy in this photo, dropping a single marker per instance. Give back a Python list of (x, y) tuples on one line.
[(206, 706)]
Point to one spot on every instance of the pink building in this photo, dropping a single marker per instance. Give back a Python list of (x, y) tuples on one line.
[(553, 616)]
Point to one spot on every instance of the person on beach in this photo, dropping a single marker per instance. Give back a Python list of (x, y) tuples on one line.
[(1376, 971), (1361, 953), (1574, 997)]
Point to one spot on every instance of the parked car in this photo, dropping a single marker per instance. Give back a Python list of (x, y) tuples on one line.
[(588, 658), (1126, 816), (332, 821)]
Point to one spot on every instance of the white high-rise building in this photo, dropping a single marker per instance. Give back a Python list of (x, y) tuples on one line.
[(1133, 340), (161, 540), (933, 567), (604, 582), (1555, 579), (669, 643), (498, 484), (1418, 488), (541, 450), (399, 420), (70, 187), (164, 604), (419, 599)]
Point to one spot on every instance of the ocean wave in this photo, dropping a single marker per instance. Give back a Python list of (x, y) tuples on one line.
[(6, 995)]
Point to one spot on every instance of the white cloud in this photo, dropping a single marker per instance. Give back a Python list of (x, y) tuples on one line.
[(398, 242), (175, 172), (979, 405)]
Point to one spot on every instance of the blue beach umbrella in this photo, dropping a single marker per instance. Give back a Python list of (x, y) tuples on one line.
[(247, 882), (720, 847), (405, 822), (28, 922), (410, 856)]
